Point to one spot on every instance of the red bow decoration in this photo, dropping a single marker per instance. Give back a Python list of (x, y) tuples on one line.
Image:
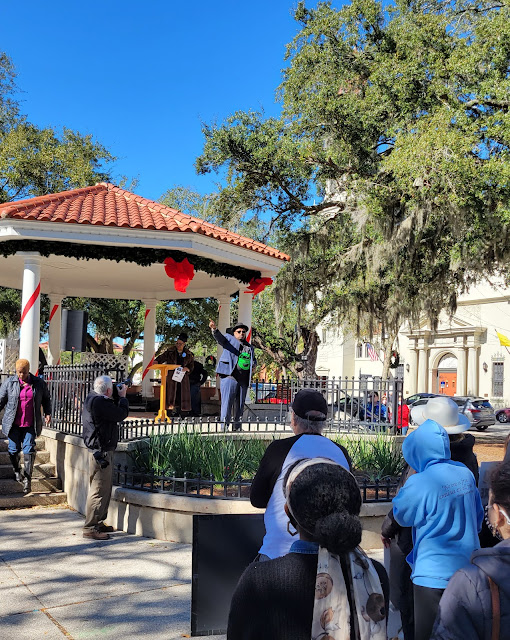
[(257, 285), (182, 273)]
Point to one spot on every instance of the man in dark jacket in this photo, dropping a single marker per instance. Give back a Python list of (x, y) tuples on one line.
[(101, 416), (196, 379), (234, 368), (23, 396)]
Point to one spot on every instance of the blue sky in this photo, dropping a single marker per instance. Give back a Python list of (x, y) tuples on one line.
[(142, 76)]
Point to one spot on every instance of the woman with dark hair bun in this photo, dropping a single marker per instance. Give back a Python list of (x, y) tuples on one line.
[(476, 602), (326, 588)]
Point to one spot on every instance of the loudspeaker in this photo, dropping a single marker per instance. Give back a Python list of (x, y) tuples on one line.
[(74, 330)]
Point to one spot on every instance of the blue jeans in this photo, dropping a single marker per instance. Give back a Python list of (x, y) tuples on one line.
[(21, 439)]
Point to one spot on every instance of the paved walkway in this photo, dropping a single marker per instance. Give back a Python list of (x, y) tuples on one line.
[(55, 584)]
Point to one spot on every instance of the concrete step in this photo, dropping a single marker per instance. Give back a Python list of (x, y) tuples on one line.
[(42, 457), (17, 500), (39, 444), (40, 471), (39, 485)]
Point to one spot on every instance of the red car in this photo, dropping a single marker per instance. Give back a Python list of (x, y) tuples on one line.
[(503, 415)]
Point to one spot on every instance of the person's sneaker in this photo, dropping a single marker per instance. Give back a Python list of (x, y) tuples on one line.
[(105, 528), (95, 534)]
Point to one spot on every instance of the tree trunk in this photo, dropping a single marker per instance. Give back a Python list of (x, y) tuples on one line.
[(309, 354), (388, 349)]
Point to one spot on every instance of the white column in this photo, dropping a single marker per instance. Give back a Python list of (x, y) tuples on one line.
[(223, 313), (472, 372), (245, 308), (149, 346), (422, 370), (55, 328), (461, 372), (30, 325), (411, 376)]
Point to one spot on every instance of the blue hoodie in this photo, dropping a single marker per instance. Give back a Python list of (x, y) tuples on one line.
[(441, 503)]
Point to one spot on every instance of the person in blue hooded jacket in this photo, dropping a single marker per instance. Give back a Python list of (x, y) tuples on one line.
[(466, 608), (442, 505)]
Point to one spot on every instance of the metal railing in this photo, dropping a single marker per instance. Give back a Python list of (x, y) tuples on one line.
[(69, 385), (366, 400), (198, 486), (143, 428), (354, 405)]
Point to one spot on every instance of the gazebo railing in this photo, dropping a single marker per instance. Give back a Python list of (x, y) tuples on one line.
[(69, 385)]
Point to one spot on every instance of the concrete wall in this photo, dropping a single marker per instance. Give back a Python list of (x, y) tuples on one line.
[(159, 515)]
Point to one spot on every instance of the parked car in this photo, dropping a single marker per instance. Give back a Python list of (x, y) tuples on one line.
[(348, 407), (503, 415), (479, 411), (416, 397)]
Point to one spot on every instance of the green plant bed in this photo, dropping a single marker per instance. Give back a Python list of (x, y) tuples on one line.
[(228, 458), (376, 457), (192, 453)]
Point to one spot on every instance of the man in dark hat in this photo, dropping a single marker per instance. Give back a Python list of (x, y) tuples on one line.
[(178, 394), (234, 369), (308, 418)]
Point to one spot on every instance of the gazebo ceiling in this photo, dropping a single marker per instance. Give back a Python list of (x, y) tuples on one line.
[(108, 279), (105, 217)]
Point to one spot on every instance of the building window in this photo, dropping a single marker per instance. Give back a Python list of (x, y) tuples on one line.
[(359, 350), (367, 355), (324, 336), (497, 379)]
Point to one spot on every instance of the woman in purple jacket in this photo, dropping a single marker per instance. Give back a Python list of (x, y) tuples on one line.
[(466, 608)]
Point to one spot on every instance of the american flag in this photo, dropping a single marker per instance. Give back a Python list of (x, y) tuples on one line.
[(372, 352)]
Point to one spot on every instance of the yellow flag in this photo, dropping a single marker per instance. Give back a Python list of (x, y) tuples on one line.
[(503, 340)]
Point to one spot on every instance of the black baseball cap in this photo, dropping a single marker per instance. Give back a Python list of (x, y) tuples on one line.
[(308, 400), (239, 325)]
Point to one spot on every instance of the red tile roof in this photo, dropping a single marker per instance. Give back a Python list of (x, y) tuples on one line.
[(109, 206)]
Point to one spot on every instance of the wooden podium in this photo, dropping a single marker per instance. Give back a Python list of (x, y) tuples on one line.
[(164, 368)]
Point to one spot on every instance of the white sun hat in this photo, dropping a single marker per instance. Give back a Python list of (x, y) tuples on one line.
[(444, 411)]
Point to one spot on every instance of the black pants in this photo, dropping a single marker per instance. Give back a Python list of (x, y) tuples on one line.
[(426, 604), (401, 589)]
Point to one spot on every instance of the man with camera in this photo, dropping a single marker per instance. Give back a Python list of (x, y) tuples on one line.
[(101, 415)]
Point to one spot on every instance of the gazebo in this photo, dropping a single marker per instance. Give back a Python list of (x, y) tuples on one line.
[(105, 242)]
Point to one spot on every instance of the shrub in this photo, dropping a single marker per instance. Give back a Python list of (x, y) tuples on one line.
[(376, 456), (194, 453)]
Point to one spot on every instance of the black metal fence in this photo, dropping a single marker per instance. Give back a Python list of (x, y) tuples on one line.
[(354, 405), (198, 486), (69, 385), (366, 400), (143, 428)]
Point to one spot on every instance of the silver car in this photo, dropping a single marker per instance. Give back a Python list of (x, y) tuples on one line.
[(479, 411)]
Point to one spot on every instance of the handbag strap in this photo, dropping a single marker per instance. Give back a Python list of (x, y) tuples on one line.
[(496, 612)]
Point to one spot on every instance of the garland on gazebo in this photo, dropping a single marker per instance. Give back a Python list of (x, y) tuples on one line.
[(142, 256)]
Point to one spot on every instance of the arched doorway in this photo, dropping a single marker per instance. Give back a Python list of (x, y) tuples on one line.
[(446, 379)]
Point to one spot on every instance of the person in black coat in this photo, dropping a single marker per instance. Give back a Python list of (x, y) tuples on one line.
[(196, 379), (466, 608), (297, 596)]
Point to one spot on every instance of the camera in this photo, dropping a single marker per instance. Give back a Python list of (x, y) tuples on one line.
[(101, 459), (116, 385)]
